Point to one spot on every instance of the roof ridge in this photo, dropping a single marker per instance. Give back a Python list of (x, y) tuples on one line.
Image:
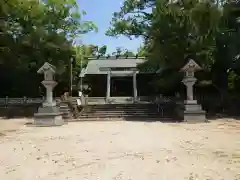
[(115, 57)]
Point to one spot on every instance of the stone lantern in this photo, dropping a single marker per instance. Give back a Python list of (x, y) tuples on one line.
[(193, 112), (48, 114), (48, 70)]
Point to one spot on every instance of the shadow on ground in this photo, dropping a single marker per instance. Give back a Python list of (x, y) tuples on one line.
[(155, 119), (28, 111), (18, 111), (178, 119)]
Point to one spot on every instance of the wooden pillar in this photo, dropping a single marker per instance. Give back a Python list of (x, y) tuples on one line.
[(108, 85), (135, 86)]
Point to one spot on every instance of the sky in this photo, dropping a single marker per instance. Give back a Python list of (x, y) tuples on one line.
[(100, 12)]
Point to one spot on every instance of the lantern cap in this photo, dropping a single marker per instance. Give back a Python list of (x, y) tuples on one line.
[(191, 66), (47, 67)]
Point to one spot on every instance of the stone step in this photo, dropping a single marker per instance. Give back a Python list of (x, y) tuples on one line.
[(150, 119), (67, 116), (132, 111), (65, 110), (121, 110), (167, 119), (95, 119), (122, 105), (121, 115), (102, 107), (63, 106), (129, 109)]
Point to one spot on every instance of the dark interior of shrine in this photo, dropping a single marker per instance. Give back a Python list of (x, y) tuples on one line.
[(120, 86)]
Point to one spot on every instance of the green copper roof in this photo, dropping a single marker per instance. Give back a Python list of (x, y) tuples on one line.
[(101, 65)]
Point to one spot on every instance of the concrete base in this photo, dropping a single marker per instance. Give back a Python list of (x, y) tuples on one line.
[(194, 114), (48, 116)]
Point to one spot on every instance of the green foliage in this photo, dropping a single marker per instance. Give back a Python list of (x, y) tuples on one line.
[(142, 51), (232, 78), (33, 32), (180, 34), (206, 31), (121, 51), (102, 51), (128, 53), (133, 20)]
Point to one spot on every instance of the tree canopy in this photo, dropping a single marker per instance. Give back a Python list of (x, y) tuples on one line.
[(174, 31), (33, 32), (207, 31)]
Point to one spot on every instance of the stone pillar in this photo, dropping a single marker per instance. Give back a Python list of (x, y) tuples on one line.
[(49, 85), (49, 94), (108, 85), (189, 87), (135, 86), (189, 82)]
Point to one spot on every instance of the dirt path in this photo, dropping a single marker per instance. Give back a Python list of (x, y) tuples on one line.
[(11, 125), (121, 151)]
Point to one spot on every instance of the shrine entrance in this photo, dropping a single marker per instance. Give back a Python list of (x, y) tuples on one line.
[(121, 86)]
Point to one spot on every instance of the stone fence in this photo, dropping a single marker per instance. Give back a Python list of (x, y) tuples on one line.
[(7, 101), (20, 101)]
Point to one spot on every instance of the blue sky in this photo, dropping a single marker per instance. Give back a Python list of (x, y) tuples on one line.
[(100, 12)]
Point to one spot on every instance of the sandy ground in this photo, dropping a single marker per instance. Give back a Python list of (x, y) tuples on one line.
[(120, 151)]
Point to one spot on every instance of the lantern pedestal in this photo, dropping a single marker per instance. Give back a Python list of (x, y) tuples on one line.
[(48, 114), (193, 112), (48, 119)]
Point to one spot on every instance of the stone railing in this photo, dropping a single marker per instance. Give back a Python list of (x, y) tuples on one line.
[(7, 101), (159, 99), (141, 99), (20, 101), (94, 100)]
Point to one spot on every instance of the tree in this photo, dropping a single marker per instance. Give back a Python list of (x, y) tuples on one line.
[(33, 32), (83, 52), (173, 32), (120, 51), (128, 53), (227, 47), (133, 20), (102, 51), (142, 51)]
